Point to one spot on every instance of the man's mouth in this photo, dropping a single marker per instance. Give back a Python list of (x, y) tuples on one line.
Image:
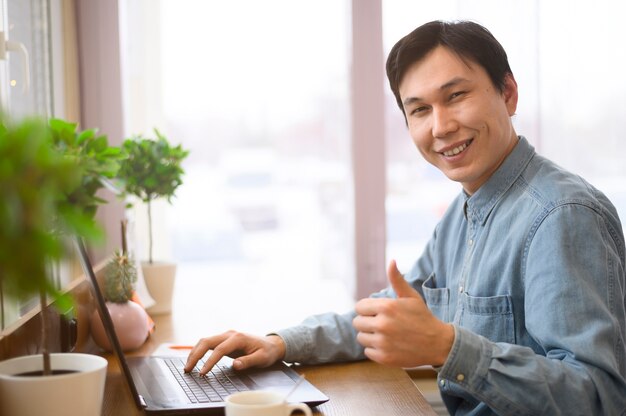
[(458, 149)]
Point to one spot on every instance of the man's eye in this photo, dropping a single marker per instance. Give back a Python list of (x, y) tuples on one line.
[(418, 110), (456, 94)]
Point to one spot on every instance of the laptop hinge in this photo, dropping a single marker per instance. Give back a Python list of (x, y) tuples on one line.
[(142, 401)]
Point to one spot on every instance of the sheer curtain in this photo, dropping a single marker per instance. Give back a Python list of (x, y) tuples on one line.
[(259, 94)]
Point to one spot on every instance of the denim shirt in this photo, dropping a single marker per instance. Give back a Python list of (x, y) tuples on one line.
[(530, 269)]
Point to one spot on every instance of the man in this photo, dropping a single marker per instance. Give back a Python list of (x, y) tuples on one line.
[(518, 300)]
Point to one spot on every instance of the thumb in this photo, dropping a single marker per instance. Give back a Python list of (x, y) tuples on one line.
[(248, 361), (402, 288), (259, 358)]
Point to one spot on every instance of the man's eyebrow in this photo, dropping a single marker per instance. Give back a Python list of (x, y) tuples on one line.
[(453, 82)]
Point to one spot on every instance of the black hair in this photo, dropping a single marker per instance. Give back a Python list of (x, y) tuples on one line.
[(469, 40)]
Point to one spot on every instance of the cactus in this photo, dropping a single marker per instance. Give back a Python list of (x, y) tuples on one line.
[(120, 276)]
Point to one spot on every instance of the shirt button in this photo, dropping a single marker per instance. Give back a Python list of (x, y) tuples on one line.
[(460, 377), (460, 289), (470, 242), (442, 382)]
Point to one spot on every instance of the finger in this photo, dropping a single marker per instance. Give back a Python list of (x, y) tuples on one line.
[(229, 345), (367, 340), (370, 353), (363, 323), (258, 358), (377, 356), (402, 288), (200, 349), (370, 306)]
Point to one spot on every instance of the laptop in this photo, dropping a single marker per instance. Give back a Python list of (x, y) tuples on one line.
[(160, 386)]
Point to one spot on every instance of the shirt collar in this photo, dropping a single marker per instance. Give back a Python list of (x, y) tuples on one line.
[(481, 203)]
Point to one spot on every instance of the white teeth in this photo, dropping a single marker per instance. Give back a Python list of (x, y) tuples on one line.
[(456, 150)]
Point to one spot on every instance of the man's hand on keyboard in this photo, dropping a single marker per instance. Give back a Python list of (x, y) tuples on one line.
[(248, 350)]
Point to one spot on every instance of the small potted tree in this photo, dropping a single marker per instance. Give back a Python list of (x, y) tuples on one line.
[(130, 320), (97, 162), (153, 170), (40, 171)]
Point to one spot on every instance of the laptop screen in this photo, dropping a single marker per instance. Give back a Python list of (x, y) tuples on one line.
[(103, 311)]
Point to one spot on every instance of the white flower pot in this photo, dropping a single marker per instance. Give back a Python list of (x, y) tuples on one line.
[(159, 277), (79, 393)]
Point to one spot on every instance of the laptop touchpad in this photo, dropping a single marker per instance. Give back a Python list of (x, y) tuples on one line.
[(271, 379)]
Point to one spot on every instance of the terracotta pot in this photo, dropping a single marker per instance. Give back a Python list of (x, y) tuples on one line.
[(130, 322), (159, 277), (77, 393)]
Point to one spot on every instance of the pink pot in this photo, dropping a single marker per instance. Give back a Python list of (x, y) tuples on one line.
[(131, 326)]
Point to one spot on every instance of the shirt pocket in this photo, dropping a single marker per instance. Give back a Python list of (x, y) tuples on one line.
[(491, 317), (437, 298)]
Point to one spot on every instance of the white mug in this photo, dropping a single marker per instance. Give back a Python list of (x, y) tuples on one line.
[(262, 403)]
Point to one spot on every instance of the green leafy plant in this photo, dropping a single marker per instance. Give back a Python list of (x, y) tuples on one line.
[(151, 170), (49, 175), (34, 176), (97, 162)]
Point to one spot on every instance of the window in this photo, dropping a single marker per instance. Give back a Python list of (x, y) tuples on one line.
[(259, 93), (37, 26), (29, 24)]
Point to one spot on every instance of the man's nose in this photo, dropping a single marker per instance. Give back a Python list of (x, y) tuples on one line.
[(444, 122)]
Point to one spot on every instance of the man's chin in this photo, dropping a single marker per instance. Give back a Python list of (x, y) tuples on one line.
[(462, 179), (456, 176)]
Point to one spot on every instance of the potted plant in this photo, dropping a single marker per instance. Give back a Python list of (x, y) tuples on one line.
[(130, 320), (153, 170), (97, 162), (43, 172)]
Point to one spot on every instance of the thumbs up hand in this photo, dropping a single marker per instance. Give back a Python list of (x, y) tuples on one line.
[(402, 332), (402, 288)]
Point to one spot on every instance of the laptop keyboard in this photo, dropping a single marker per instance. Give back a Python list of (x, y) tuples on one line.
[(213, 387)]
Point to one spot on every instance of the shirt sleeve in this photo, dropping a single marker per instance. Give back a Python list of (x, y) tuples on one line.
[(324, 338), (574, 310)]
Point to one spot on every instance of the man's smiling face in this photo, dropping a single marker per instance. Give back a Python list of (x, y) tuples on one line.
[(459, 121)]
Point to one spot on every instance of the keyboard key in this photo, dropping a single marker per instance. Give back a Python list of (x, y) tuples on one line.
[(221, 381)]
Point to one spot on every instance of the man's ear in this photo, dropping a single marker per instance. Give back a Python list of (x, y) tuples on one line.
[(509, 92)]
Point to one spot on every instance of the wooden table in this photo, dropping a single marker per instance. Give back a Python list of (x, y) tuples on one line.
[(360, 388)]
